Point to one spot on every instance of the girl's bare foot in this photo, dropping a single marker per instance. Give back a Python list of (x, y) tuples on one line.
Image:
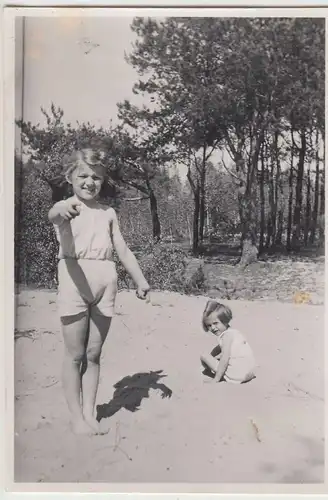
[(81, 427), (95, 426)]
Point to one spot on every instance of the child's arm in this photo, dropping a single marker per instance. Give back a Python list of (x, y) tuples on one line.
[(225, 356), (128, 259), (64, 210)]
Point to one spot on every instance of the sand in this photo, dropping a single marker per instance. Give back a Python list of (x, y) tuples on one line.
[(167, 422)]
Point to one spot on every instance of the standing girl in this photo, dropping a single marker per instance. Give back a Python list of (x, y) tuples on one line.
[(87, 232)]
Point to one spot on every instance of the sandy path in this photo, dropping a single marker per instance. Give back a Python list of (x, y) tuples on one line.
[(171, 426)]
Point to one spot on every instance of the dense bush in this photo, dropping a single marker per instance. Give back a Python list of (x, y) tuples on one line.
[(35, 242), (164, 267)]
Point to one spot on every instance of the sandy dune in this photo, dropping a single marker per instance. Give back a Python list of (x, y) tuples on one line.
[(166, 423)]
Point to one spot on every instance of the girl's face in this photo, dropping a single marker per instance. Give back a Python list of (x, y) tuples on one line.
[(214, 325), (86, 181)]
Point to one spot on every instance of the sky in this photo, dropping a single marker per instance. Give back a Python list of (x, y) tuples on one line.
[(76, 63)]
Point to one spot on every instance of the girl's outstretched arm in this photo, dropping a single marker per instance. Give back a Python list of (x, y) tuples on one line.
[(128, 259), (225, 356), (64, 210)]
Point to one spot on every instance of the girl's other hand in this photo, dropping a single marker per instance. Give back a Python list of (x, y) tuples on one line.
[(143, 292)]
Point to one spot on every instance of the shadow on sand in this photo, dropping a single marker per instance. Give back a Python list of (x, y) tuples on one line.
[(131, 390)]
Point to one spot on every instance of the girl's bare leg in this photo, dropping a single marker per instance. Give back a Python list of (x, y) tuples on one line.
[(210, 362), (75, 330), (98, 330)]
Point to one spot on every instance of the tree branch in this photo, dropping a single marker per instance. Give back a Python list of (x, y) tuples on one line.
[(137, 198), (210, 153), (190, 179), (142, 189), (229, 171), (134, 165), (231, 145)]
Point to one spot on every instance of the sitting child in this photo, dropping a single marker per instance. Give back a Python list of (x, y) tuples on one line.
[(232, 359)]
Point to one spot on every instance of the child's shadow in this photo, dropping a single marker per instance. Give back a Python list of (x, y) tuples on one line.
[(131, 390)]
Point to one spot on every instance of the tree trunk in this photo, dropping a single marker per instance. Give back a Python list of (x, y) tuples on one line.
[(290, 194), (262, 202), (316, 192), (248, 211), (322, 210), (208, 221), (279, 196), (195, 187), (189, 231), (156, 225), (299, 194), (249, 229), (307, 220), (290, 204), (271, 217), (201, 215), (195, 235), (280, 223), (274, 188), (247, 173), (202, 201)]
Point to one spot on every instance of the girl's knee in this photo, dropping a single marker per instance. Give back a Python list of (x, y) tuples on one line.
[(209, 361), (205, 361), (76, 357), (204, 358), (93, 353), (204, 365)]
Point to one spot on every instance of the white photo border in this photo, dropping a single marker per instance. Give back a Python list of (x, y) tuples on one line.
[(13, 490)]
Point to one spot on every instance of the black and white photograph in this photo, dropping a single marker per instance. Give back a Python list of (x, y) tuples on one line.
[(169, 243)]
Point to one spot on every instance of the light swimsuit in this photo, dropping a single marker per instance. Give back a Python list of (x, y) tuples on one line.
[(86, 271), (241, 363)]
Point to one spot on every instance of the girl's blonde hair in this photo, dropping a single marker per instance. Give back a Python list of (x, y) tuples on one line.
[(223, 313), (89, 156)]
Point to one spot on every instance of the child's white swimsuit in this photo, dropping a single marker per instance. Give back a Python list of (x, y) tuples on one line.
[(86, 272), (241, 363)]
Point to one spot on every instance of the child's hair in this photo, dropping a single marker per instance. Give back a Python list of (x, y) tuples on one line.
[(89, 156), (223, 313), (92, 157)]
